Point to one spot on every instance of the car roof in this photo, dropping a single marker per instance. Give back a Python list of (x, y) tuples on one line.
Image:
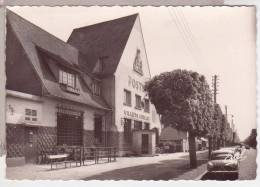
[(228, 148), (223, 151)]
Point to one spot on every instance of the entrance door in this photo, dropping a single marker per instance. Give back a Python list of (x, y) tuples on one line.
[(30, 138), (98, 129), (145, 143)]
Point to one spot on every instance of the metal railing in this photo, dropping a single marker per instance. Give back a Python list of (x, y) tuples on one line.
[(81, 155)]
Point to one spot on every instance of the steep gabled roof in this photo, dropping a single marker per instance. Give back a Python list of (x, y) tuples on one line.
[(105, 40), (33, 38)]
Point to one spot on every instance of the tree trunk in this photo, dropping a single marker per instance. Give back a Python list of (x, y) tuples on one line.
[(192, 151), (213, 143), (210, 145), (218, 143)]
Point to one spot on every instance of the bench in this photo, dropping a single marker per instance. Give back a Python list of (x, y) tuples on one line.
[(59, 159)]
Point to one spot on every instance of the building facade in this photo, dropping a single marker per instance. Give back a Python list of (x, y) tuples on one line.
[(87, 91)]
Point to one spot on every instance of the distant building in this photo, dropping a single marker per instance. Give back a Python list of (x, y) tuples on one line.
[(87, 92), (176, 140)]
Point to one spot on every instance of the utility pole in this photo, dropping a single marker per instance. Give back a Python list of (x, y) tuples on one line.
[(232, 122), (215, 139), (215, 80)]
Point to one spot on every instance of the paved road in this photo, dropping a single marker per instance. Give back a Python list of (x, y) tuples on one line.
[(164, 170), (247, 169)]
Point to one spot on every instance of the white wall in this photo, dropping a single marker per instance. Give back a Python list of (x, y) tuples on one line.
[(124, 70), (46, 111), (137, 142), (15, 110)]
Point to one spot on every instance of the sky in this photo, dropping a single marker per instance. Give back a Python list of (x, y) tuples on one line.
[(209, 40)]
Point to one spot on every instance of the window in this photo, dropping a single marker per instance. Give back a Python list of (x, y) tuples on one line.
[(96, 88), (147, 126), (100, 66), (137, 125), (138, 102), (68, 79), (30, 115), (127, 98), (146, 105)]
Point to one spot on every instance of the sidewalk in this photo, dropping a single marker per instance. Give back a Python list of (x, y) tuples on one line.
[(162, 167)]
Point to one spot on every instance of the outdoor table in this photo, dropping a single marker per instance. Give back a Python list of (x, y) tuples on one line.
[(58, 157)]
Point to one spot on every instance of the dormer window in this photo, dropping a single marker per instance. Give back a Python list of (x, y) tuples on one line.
[(96, 89), (68, 79), (68, 82), (100, 65)]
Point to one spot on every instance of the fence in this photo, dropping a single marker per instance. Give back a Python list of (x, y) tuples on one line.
[(79, 154)]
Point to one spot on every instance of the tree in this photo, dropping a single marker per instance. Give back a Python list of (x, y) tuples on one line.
[(217, 126), (251, 139), (184, 101)]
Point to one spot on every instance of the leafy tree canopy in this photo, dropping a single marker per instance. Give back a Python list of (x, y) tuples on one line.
[(183, 99)]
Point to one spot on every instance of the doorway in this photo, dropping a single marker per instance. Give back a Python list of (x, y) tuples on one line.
[(127, 131), (98, 129), (30, 144), (145, 143), (69, 129)]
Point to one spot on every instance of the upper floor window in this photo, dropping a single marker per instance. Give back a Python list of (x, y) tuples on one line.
[(30, 115), (146, 105), (96, 89), (138, 102), (127, 98), (68, 79)]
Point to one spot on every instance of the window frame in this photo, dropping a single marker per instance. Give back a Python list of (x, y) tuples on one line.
[(138, 125), (67, 78), (138, 105), (96, 88), (146, 105), (145, 126), (30, 115), (127, 98)]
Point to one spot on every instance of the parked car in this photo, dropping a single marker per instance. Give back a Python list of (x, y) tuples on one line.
[(223, 161), (247, 146)]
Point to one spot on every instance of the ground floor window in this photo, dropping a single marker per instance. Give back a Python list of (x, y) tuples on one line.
[(146, 126), (69, 129), (137, 125)]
